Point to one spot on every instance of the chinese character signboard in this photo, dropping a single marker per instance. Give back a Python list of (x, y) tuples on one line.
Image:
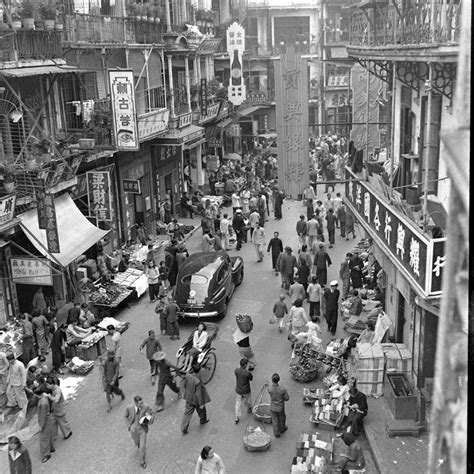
[(359, 79), (203, 97), (99, 194), (185, 120), (421, 258), (52, 236), (235, 47), (124, 114), (165, 154), (131, 186), (31, 271), (7, 208), (291, 80), (152, 124)]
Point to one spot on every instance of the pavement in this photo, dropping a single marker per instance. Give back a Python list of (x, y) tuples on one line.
[(101, 442)]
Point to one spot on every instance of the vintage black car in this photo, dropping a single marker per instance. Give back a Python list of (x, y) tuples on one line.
[(205, 283)]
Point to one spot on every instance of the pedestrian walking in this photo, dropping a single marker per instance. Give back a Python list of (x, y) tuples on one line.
[(238, 224), (254, 219), (303, 275), (165, 378), (28, 343), (259, 241), (57, 406), (110, 379), (112, 342), (40, 330), (224, 227), (331, 226), (276, 247), (16, 383), (312, 229), (243, 378), (319, 219), (236, 202), (309, 209), (278, 198), (286, 265), (152, 345), (160, 310), (356, 265), (297, 318), (297, 291), (242, 340), (196, 397), (153, 277), (171, 311), (280, 310), (332, 306), (322, 261), (341, 217), (46, 423), (278, 397), (209, 462), (350, 220), (18, 457), (345, 275), (137, 418), (337, 203), (328, 203), (302, 230), (314, 298)]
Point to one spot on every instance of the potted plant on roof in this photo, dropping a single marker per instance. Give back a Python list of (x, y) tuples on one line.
[(16, 21), (8, 182), (48, 13), (27, 13)]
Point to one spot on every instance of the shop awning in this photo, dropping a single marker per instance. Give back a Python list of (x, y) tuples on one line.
[(183, 135), (76, 233), (39, 71), (250, 110)]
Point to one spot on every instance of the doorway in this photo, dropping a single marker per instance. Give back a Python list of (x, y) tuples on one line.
[(401, 319)]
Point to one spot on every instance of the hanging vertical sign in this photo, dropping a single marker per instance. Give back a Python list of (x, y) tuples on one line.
[(99, 195), (40, 204), (235, 48), (124, 114), (203, 97), (52, 236), (7, 208)]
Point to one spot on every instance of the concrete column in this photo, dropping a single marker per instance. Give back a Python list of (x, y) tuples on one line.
[(188, 85), (198, 63), (208, 72), (168, 16), (195, 70), (199, 170), (170, 80)]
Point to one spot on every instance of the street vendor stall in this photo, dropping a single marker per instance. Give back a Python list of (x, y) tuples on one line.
[(107, 296), (134, 279), (11, 337), (314, 454)]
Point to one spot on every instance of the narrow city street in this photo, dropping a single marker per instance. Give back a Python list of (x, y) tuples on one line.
[(101, 442)]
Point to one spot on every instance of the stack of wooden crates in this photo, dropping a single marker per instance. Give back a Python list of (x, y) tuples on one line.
[(369, 363)]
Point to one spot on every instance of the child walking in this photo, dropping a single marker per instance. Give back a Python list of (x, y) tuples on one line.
[(280, 309)]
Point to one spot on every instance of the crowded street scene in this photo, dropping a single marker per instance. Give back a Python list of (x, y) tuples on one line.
[(233, 237)]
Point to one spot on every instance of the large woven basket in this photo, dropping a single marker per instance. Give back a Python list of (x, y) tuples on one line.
[(262, 412), (303, 376), (250, 444)]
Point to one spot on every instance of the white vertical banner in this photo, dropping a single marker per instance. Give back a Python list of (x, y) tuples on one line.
[(235, 47), (124, 114)]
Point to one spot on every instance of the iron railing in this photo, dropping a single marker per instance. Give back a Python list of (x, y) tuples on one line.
[(30, 44), (413, 25), (150, 100)]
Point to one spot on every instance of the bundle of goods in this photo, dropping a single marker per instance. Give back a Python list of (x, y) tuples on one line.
[(313, 455), (260, 410), (354, 325), (80, 367), (337, 347), (306, 368), (108, 293), (244, 322), (120, 326), (256, 439), (327, 410), (311, 394)]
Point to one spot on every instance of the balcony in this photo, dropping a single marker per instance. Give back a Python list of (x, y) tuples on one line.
[(30, 44), (384, 25), (100, 29)]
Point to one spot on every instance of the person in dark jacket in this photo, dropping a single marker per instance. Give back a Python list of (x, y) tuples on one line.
[(357, 411), (278, 197), (331, 226), (345, 274), (165, 378), (276, 247), (278, 397), (322, 261), (331, 297), (238, 224), (286, 265), (356, 304), (356, 265), (18, 457), (341, 217), (57, 347), (242, 389)]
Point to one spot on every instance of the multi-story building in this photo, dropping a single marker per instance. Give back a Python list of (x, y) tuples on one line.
[(413, 46)]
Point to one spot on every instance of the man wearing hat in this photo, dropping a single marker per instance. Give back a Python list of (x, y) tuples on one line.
[(287, 264), (238, 224), (165, 378), (110, 379), (331, 297)]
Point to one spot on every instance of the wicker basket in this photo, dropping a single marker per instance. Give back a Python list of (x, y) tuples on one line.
[(256, 439), (262, 412), (303, 376)]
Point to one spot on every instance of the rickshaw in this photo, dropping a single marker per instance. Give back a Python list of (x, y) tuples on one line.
[(206, 359)]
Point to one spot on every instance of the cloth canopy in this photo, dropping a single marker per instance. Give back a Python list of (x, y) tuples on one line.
[(76, 233)]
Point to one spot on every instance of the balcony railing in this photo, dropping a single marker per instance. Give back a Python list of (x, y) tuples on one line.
[(82, 28), (412, 25), (150, 100), (30, 44)]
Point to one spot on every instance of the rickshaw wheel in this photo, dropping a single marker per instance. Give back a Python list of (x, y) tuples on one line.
[(208, 367)]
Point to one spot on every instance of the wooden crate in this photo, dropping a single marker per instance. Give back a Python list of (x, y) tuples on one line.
[(87, 352), (400, 396)]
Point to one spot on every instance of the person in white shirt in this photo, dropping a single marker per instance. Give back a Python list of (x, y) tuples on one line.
[(314, 298), (245, 200), (236, 204), (224, 229), (209, 462), (200, 337), (260, 241), (328, 203), (254, 219), (337, 204)]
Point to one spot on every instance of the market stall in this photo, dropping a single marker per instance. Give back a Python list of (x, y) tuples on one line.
[(134, 279), (11, 337), (314, 454), (108, 296)]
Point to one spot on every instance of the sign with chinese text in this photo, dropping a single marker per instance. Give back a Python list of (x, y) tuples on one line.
[(7, 208), (124, 116), (335, 99), (185, 120), (131, 186), (421, 258), (291, 80), (52, 235), (235, 47), (338, 81), (212, 112), (40, 203), (152, 124), (203, 97), (209, 46), (165, 154), (31, 271), (99, 195), (359, 135)]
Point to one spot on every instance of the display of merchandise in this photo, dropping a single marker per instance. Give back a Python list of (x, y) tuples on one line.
[(313, 454), (109, 294)]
